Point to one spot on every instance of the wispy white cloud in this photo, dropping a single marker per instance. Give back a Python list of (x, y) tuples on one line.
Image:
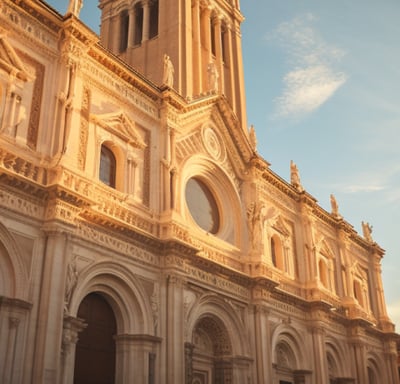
[(381, 179), (306, 89), (314, 78), (357, 188)]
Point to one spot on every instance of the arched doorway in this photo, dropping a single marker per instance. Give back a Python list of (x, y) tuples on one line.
[(95, 349), (212, 352)]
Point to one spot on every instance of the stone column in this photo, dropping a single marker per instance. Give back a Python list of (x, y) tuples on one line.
[(13, 339), (136, 358), (391, 363), (206, 45), (218, 53), (377, 294), (197, 74), (262, 343), (12, 106), (132, 176), (360, 361), (189, 363), (308, 244), (175, 331), (72, 327), (238, 97), (115, 38), (46, 368), (13, 323), (320, 365), (131, 28), (230, 87), (345, 275), (146, 21)]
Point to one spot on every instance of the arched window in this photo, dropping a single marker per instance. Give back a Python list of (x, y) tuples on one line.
[(107, 166), (358, 292), (323, 273), (277, 253), (273, 251)]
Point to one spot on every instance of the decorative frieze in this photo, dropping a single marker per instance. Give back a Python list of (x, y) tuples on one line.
[(22, 167), (10, 201), (111, 242), (30, 27), (277, 196), (122, 89), (60, 210), (84, 128), (217, 282)]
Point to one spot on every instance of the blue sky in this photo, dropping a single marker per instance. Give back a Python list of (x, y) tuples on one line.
[(323, 90)]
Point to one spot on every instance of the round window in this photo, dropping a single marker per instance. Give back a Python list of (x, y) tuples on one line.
[(202, 205)]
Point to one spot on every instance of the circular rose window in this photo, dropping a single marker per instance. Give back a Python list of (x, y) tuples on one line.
[(202, 205)]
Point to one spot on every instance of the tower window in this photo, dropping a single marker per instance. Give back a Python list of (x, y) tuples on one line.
[(124, 31), (153, 32), (213, 45), (107, 167), (138, 24), (224, 35)]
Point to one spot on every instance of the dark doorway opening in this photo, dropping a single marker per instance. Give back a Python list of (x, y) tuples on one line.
[(95, 349)]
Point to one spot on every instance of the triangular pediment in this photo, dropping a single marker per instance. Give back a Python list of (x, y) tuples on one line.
[(10, 61), (281, 226), (358, 271), (120, 125), (325, 249), (212, 129)]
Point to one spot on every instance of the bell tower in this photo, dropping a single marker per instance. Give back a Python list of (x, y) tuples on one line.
[(202, 39)]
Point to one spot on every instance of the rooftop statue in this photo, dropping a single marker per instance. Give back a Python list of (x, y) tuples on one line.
[(75, 7), (295, 177), (168, 77)]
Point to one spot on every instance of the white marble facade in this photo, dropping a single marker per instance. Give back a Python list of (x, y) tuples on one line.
[(133, 185)]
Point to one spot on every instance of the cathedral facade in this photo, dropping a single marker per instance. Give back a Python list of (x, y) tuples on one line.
[(142, 237)]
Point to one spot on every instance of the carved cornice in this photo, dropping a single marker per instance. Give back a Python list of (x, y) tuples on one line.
[(235, 130), (173, 99), (12, 304), (285, 297), (124, 72), (139, 339), (73, 27), (50, 19), (276, 181)]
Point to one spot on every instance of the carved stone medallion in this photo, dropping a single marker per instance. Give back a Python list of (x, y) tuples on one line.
[(213, 144)]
